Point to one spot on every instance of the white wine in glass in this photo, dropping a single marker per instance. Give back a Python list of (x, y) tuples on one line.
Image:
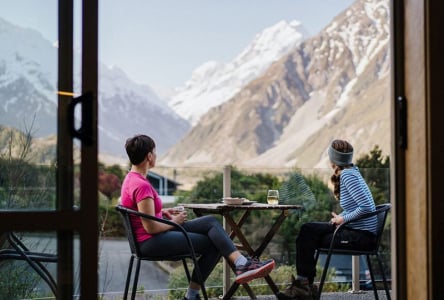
[(273, 197)]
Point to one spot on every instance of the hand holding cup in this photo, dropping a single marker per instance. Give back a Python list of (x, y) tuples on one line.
[(178, 209)]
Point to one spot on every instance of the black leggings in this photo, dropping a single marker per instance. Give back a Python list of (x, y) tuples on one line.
[(209, 240), (315, 235)]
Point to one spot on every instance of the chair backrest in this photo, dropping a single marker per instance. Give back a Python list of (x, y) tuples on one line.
[(129, 230), (127, 214), (382, 211)]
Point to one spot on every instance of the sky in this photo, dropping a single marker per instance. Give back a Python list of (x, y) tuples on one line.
[(161, 42)]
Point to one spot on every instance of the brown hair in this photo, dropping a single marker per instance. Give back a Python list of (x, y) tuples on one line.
[(343, 147), (138, 147)]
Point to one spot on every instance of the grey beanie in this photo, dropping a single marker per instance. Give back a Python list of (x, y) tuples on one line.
[(339, 158)]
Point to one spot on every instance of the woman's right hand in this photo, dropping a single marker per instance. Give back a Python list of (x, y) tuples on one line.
[(180, 217), (337, 219)]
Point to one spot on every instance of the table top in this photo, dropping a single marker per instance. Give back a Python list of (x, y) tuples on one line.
[(252, 206)]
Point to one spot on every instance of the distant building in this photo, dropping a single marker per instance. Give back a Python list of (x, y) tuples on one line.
[(163, 185)]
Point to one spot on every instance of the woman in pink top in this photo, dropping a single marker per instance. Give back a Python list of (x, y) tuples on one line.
[(209, 238)]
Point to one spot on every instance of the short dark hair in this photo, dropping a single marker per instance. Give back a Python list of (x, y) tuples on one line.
[(138, 147)]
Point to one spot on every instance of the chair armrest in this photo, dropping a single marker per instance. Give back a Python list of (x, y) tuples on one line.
[(363, 216), (379, 209), (34, 256), (16, 242), (20, 251), (150, 217)]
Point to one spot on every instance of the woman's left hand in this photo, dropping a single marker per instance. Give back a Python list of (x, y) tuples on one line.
[(337, 219)]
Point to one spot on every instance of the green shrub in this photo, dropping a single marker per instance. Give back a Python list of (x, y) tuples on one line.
[(17, 280)]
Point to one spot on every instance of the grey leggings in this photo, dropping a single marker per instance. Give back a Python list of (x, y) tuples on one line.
[(209, 240)]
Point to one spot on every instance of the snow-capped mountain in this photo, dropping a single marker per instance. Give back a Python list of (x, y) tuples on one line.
[(213, 83), (28, 85), (333, 85), (127, 108), (28, 66), (25, 53), (355, 103)]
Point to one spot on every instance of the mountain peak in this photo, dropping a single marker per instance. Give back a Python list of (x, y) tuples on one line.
[(224, 80)]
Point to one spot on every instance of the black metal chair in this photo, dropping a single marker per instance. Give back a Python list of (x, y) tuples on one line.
[(135, 252), (381, 212), (18, 251)]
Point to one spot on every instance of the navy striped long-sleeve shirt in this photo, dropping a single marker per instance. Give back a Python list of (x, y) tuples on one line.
[(356, 199)]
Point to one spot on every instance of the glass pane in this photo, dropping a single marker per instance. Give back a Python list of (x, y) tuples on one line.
[(28, 114), (263, 90), (18, 278)]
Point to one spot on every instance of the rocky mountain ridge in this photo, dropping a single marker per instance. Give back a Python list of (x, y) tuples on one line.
[(334, 85)]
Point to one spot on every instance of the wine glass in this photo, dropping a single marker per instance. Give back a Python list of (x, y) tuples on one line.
[(273, 197)]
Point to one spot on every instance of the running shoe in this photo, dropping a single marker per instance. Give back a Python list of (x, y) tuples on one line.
[(253, 269)]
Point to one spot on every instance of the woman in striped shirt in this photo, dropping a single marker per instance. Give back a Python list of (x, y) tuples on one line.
[(355, 199)]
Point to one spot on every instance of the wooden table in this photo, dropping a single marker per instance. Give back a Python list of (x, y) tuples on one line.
[(227, 212)]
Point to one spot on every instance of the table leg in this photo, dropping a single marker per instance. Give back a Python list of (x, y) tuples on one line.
[(241, 222), (255, 253), (271, 284), (236, 232), (270, 234), (267, 239)]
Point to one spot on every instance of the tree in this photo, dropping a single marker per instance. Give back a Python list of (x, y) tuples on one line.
[(113, 169), (311, 191), (375, 170), (22, 186), (109, 184), (250, 186), (314, 195)]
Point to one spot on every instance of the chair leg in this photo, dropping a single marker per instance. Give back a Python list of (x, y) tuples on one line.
[(372, 276), (128, 278), (204, 291), (187, 271), (43, 272), (48, 278), (316, 257), (136, 278), (387, 292), (38, 266), (324, 275), (202, 284)]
